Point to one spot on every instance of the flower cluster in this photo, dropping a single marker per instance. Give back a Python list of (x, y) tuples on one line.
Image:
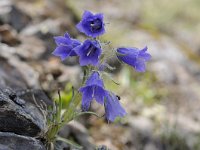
[(90, 54)]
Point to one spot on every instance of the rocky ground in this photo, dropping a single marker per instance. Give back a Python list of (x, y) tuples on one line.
[(162, 104)]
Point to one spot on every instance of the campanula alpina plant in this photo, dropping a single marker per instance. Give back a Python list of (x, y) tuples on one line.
[(92, 58)]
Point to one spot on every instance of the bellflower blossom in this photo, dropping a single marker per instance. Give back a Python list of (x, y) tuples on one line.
[(91, 24), (89, 53), (134, 57), (113, 108), (93, 89), (65, 46)]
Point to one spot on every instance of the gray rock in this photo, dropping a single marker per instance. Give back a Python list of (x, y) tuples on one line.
[(22, 111), (44, 30), (15, 73), (10, 76), (44, 27), (31, 48), (12, 15), (10, 141), (79, 133), (150, 146), (165, 71), (5, 8), (143, 125), (19, 116)]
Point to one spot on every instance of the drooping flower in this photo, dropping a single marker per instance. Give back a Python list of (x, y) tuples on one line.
[(65, 46), (113, 108), (93, 89), (89, 53), (134, 57), (91, 24)]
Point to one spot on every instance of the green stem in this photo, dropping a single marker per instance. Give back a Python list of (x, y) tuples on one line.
[(69, 113), (85, 72), (76, 99)]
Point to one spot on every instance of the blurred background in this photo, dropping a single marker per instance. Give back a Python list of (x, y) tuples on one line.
[(163, 104)]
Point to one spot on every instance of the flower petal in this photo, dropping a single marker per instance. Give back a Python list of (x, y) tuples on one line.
[(79, 26), (87, 93), (76, 42), (128, 60), (134, 57), (99, 94), (113, 108), (87, 14), (144, 49), (83, 61), (60, 40), (89, 53), (95, 79), (67, 36), (140, 65), (127, 51), (91, 24), (146, 56), (62, 51)]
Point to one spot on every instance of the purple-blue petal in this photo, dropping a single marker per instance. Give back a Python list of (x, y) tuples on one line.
[(84, 62), (143, 53), (95, 79), (93, 89), (67, 36), (87, 14), (134, 57), (62, 51), (79, 26), (65, 46), (60, 40), (76, 42), (113, 108), (128, 59), (127, 51), (99, 94), (100, 16), (140, 65), (91, 24), (87, 93), (89, 53)]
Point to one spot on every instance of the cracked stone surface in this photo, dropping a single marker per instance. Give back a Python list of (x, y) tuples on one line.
[(11, 141)]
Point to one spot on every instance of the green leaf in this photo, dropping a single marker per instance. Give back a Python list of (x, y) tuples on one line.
[(110, 78), (87, 112), (69, 142)]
